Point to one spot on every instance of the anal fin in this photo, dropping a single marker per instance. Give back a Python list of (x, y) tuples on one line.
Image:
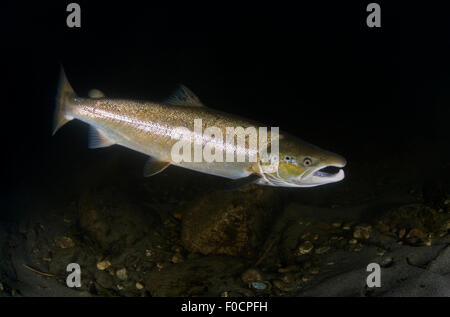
[(98, 139), (154, 166)]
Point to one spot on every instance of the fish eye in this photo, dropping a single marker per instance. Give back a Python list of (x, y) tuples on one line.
[(307, 161), (287, 158)]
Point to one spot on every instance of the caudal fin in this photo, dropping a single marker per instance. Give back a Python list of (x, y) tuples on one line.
[(64, 94)]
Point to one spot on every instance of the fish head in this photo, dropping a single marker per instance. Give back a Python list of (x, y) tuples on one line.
[(300, 164)]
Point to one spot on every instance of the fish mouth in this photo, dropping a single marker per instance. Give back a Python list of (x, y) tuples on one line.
[(330, 171), (325, 174)]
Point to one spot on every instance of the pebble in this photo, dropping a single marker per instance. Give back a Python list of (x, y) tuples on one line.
[(316, 237), (178, 215), (358, 248), (401, 233), (305, 248), (314, 270), (322, 250), (103, 265), (122, 274), (352, 241), (414, 235), (362, 232), (446, 225), (322, 226), (347, 226), (148, 252), (337, 224), (139, 285), (251, 275), (281, 286), (159, 266), (387, 262), (65, 242), (380, 251), (177, 258), (288, 278), (259, 285), (119, 287), (1, 287), (305, 235), (382, 227)]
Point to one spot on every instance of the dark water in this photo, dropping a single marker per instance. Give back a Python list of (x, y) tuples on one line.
[(379, 97)]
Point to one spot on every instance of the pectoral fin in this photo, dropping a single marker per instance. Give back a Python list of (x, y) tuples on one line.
[(154, 166), (241, 182)]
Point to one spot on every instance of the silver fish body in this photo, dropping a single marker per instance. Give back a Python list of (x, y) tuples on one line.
[(155, 129)]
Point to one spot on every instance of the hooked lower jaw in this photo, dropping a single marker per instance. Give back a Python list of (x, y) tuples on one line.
[(321, 176)]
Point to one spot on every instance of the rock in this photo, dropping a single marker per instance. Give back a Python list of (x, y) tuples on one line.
[(446, 225), (288, 278), (251, 275), (122, 274), (362, 232), (230, 223), (314, 270), (103, 265), (386, 262), (282, 286), (65, 242), (337, 224), (305, 248), (260, 286), (415, 235), (112, 220), (380, 251), (177, 258), (347, 226), (382, 227), (322, 249)]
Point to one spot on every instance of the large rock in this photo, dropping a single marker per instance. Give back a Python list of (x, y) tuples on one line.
[(231, 223), (112, 221)]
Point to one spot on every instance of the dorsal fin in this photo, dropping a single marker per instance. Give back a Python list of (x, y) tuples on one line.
[(96, 94), (183, 96)]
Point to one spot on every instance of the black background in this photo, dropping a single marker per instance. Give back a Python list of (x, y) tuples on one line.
[(313, 68)]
